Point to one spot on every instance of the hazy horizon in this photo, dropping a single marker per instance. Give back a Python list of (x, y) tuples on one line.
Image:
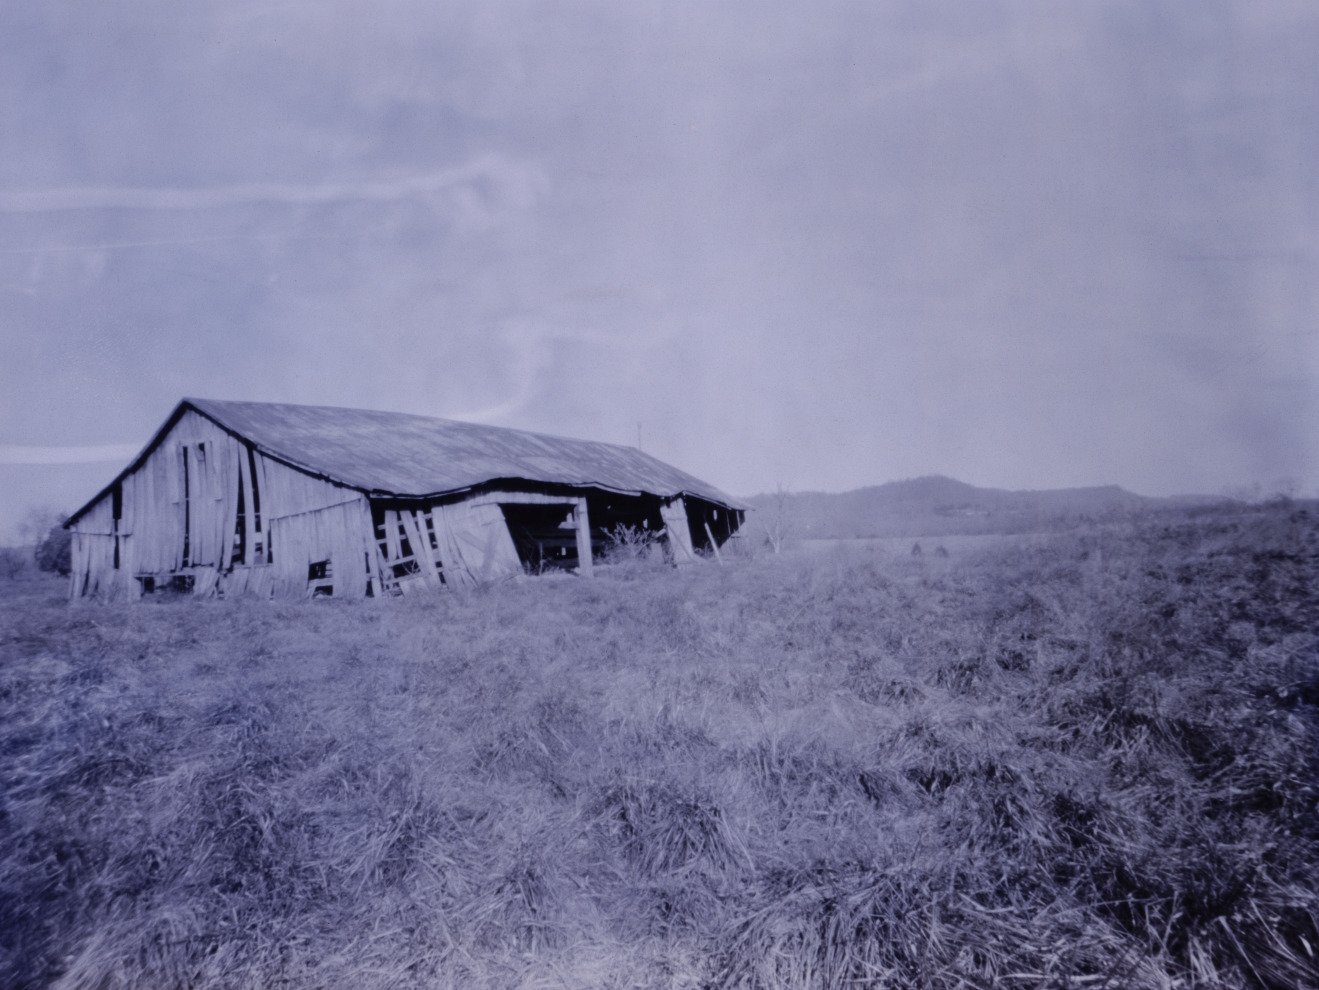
[(1019, 243)]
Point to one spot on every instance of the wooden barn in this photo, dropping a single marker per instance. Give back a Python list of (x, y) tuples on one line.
[(295, 501)]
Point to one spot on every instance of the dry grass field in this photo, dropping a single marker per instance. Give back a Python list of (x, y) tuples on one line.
[(1087, 761)]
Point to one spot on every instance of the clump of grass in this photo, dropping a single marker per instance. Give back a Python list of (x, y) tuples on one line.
[(1091, 760), (664, 832), (916, 923)]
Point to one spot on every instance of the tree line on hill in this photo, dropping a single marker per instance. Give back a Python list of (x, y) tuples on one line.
[(939, 506)]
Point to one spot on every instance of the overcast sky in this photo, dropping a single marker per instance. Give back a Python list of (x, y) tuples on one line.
[(818, 245)]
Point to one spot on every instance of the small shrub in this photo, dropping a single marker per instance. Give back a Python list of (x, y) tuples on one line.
[(13, 562), (632, 550), (55, 551)]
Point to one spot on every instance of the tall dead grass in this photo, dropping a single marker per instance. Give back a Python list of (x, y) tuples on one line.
[(1086, 762)]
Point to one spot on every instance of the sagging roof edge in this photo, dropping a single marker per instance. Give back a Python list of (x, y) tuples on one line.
[(187, 405), (513, 484)]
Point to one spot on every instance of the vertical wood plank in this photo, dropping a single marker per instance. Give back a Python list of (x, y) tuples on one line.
[(249, 518), (584, 563), (269, 505), (394, 550)]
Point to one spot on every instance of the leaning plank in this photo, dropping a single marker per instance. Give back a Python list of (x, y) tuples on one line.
[(421, 548), (674, 515), (714, 544)]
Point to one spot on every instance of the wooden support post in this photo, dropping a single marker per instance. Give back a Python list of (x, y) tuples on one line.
[(583, 521), (714, 544)]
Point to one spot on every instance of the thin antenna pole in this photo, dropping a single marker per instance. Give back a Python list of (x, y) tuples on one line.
[(638, 434)]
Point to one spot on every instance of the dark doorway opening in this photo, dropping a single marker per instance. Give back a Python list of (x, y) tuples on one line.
[(545, 536), (625, 524)]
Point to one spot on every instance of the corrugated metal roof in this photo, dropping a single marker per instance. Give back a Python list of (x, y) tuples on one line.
[(415, 456)]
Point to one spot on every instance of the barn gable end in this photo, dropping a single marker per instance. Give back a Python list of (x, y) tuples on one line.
[(202, 508), (208, 508)]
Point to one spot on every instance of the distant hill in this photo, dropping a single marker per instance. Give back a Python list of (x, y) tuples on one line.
[(939, 506)]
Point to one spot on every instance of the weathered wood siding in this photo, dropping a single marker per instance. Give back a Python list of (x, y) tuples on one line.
[(179, 517), (336, 536), (92, 550)]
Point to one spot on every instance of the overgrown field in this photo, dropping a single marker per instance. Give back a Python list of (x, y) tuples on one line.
[(1086, 762)]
